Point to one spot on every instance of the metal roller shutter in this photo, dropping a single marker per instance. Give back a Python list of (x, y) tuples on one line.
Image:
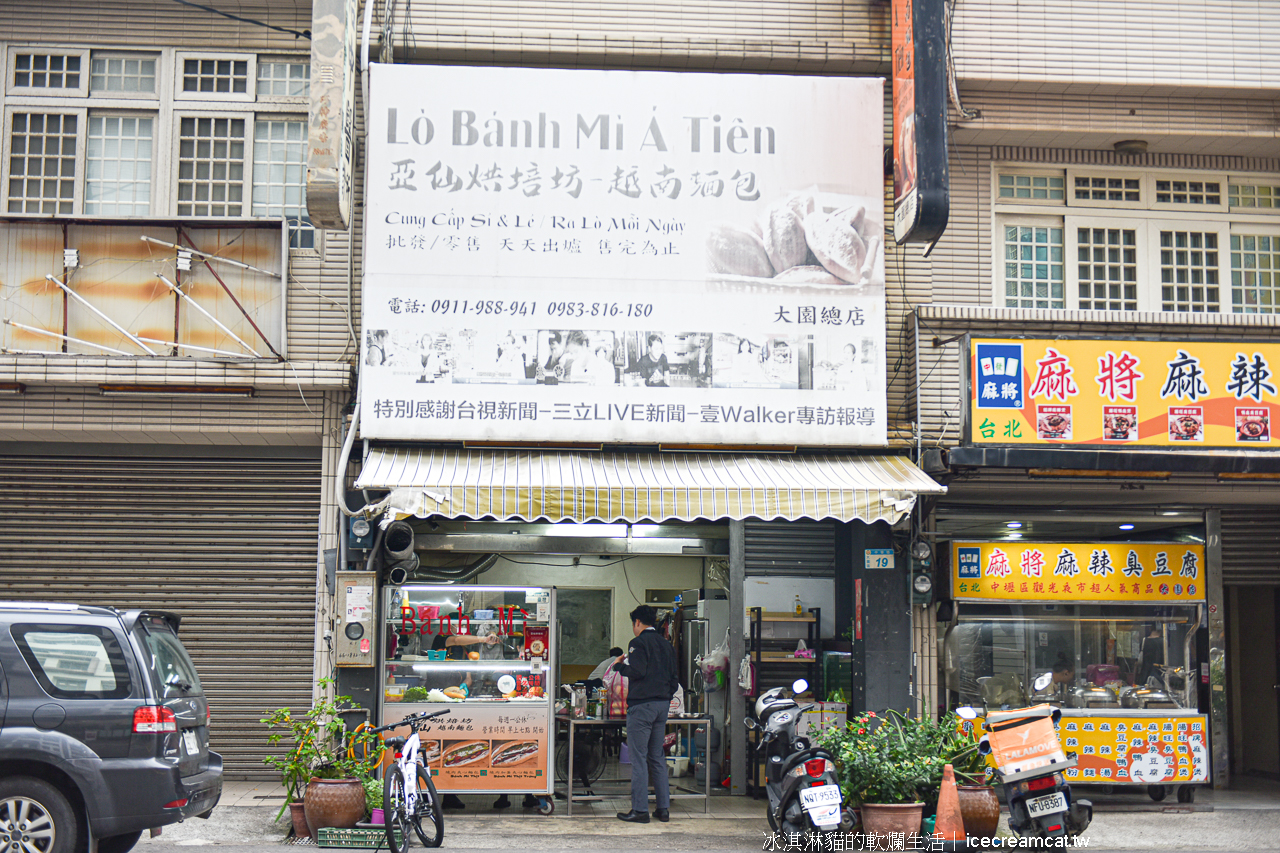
[(1251, 546), (227, 543), (805, 549)]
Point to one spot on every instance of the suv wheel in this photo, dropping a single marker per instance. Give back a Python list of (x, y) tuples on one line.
[(35, 817)]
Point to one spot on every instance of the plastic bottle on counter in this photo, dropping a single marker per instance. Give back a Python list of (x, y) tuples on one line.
[(799, 607)]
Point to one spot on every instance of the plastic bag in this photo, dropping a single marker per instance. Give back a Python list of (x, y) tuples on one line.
[(677, 703), (615, 685), (747, 676), (713, 665)]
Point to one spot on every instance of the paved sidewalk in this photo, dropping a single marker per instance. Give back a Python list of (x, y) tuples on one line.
[(1241, 819)]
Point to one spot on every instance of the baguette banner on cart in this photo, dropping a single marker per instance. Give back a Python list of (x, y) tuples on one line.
[(1117, 393), (499, 746), (623, 256), (1166, 572), (1140, 750)]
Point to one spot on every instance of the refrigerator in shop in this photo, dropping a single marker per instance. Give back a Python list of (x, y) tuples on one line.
[(705, 618)]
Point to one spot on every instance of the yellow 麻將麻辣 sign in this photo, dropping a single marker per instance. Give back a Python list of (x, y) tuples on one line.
[(1166, 572), (1118, 393)]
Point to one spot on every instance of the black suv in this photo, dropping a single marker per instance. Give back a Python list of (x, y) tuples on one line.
[(104, 728)]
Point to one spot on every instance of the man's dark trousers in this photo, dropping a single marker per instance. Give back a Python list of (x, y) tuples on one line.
[(646, 728)]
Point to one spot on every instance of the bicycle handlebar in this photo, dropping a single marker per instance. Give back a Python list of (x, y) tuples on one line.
[(413, 720)]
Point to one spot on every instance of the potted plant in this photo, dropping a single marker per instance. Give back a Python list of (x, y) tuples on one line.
[(317, 770), (373, 799), (979, 805), (886, 768)]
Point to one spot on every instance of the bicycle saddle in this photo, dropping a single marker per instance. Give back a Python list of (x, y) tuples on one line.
[(395, 742)]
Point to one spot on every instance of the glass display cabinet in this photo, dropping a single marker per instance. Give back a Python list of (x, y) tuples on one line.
[(486, 654)]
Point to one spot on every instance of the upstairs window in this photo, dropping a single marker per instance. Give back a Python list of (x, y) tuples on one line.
[(47, 72), (43, 151), (221, 76), (1200, 243), (122, 75)]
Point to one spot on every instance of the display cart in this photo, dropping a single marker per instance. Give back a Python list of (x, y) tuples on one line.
[(500, 737), (1124, 617)]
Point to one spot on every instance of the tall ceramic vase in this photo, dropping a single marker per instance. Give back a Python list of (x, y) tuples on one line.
[(298, 815), (979, 809)]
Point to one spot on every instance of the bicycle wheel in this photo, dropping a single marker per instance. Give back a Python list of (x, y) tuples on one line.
[(395, 812), (429, 820)]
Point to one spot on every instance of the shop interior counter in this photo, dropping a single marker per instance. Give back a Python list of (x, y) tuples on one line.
[(1125, 675)]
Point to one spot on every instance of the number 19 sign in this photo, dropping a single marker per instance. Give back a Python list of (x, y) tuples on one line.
[(879, 558)]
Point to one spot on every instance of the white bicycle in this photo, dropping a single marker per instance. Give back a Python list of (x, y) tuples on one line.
[(409, 797)]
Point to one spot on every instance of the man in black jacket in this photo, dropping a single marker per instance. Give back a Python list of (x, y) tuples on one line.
[(650, 667)]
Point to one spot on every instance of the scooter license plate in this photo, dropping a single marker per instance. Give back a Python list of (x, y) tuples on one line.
[(1047, 805), (822, 803)]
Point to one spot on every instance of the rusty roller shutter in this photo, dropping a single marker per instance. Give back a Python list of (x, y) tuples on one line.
[(1251, 546), (227, 543), (805, 549)]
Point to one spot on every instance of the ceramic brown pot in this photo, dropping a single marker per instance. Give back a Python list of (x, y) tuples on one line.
[(883, 818), (299, 817), (333, 803), (979, 809)]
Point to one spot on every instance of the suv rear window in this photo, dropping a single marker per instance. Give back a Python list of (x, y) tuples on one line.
[(74, 661), (169, 659)]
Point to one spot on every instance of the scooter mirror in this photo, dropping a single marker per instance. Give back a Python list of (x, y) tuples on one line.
[(799, 686), (967, 712), (1043, 681)]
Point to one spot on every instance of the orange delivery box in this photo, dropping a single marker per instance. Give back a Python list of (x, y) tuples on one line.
[(1024, 740)]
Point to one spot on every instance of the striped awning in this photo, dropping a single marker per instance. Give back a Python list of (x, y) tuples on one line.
[(569, 486)]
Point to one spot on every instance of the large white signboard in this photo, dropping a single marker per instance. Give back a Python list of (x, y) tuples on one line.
[(622, 256)]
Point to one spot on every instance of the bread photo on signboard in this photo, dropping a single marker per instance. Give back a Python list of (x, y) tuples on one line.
[(514, 753), (805, 237), (464, 753), (431, 753)]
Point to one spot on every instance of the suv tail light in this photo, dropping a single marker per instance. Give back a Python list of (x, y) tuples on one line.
[(152, 718), (815, 766)]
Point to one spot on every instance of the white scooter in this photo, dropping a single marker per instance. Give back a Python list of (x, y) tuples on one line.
[(804, 792)]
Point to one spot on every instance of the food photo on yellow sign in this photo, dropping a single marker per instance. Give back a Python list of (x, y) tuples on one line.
[(1093, 572), (1121, 393)]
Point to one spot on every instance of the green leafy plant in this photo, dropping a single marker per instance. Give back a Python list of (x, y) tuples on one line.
[(372, 794), (415, 694), (897, 759), (317, 744), (958, 747)]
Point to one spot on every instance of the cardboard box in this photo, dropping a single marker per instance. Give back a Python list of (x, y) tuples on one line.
[(823, 715)]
